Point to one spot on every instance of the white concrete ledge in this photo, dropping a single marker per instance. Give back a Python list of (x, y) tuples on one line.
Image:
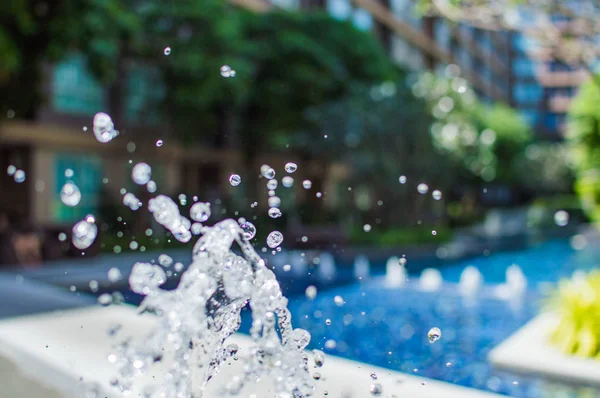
[(62, 351), (529, 351)]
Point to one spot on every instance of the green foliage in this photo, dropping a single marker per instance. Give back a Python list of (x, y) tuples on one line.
[(378, 133), (583, 135), (577, 303), (485, 138), (400, 236)]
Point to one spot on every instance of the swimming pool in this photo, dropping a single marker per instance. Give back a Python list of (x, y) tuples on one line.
[(388, 326)]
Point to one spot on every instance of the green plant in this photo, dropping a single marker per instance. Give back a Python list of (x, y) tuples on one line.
[(577, 303), (400, 236), (584, 138)]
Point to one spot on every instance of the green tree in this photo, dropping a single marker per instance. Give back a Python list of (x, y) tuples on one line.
[(583, 135)]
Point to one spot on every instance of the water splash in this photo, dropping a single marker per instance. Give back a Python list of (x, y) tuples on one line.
[(196, 319)]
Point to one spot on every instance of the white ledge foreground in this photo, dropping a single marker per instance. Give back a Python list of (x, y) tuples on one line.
[(53, 355), (528, 351)]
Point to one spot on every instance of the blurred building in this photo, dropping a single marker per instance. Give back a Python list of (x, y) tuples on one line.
[(504, 66)]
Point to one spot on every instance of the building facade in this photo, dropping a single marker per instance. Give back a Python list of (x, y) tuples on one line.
[(504, 66)]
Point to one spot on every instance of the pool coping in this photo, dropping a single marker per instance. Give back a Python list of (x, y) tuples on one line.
[(58, 350), (528, 351)]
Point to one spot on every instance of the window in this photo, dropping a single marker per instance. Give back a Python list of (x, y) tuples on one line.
[(523, 67), (87, 175), (362, 19), (145, 91), (339, 9), (74, 89), (527, 92)]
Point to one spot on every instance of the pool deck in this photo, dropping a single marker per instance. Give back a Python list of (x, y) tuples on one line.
[(58, 354), (528, 351)]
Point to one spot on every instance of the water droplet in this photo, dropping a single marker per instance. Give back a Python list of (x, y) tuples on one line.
[(287, 268), (317, 376), (10, 170), (402, 261), (105, 299), (319, 194), (114, 275), (434, 232), (235, 180), (274, 201), (131, 201), (307, 184), (330, 344), (165, 260), (141, 173), (448, 364), (272, 184), (70, 194), (434, 334), (151, 186), (19, 176), (319, 358), (328, 322), (200, 211), (561, 218), (159, 143), (367, 228), (422, 188), (373, 376), (287, 181), (376, 389), (274, 212), (104, 129), (167, 51), (93, 286), (339, 301), (69, 173), (290, 167), (311, 292), (274, 239), (62, 237), (267, 171), (225, 71), (178, 267), (249, 230), (84, 233), (437, 194), (402, 179)]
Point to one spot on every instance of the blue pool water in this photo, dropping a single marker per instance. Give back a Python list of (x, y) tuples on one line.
[(388, 326)]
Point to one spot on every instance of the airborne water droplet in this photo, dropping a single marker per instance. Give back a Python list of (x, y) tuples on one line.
[(287, 181), (437, 195), (434, 334), (104, 128), (267, 171), (561, 218), (311, 292), (235, 180), (141, 173), (422, 188), (249, 230), (70, 194), (167, 51), (376, 389), (291, 167), (159, 143), (19, 176), (272, 184), (84, 233), (274, 212), (274, 239), (402, 179), (307, 184), (200, 211)]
